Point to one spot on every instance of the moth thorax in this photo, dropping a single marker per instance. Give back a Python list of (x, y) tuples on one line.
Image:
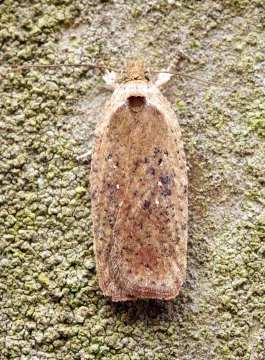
[(136, 103), (135, 69)]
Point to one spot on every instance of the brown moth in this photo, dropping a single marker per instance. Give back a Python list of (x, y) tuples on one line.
[(139, 193)]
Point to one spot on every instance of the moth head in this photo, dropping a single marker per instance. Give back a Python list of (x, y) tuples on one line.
[(135, 69)]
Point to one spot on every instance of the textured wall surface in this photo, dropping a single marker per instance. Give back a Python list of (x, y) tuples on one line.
[(51, 306)]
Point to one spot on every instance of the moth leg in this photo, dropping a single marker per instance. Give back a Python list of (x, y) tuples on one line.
[(110, 78), (162, 79), (85, 157), (165, 77)]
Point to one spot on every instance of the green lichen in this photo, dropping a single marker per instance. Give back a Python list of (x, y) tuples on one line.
[(53, 306), (43, 279), (257, 122), (80, 191)]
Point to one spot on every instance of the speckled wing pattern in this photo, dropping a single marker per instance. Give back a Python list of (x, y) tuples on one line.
[(139, 195)]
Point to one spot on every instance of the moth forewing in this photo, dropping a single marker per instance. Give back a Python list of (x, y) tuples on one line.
[(139, 193)]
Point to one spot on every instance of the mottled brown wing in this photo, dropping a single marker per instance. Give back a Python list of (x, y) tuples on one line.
[(139, 204)]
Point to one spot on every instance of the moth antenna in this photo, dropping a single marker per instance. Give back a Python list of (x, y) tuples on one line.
[(160, 81), (184, 75), (90, 66)]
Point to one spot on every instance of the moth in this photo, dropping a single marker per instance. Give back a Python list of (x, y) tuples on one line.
[(139, 193)]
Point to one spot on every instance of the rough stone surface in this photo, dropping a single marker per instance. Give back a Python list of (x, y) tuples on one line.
[(51, 305)]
